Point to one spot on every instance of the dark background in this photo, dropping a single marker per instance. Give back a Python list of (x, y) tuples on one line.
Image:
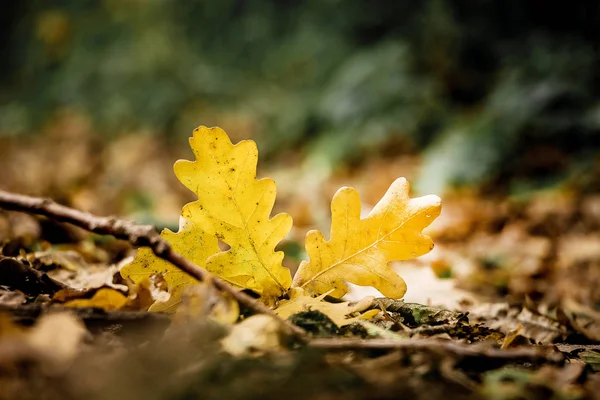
[(501, 95)]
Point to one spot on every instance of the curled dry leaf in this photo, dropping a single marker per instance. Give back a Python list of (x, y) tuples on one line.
[(359, 250), (201, 301), (591, 358), (12, 298), (150, 291), (52, 344), (88, 277), (255, 336), (339, 313), (57, 338), (581, 318), (518, 321), (52, 259)]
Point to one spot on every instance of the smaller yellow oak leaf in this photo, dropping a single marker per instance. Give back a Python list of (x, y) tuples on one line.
[(105, 298), (360, 249), (192, 242), (338, 312)]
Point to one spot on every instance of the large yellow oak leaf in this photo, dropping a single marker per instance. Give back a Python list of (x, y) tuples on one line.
[(359, 250), (236, 207), (232, 206)]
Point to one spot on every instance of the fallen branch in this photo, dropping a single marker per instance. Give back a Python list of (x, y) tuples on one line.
[(568, 348), (461, 350), (138, 235)]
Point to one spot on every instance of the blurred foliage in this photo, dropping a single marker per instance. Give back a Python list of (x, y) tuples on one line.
[(488, 89)]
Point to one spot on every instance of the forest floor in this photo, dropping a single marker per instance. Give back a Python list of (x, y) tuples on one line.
[(507, 305)]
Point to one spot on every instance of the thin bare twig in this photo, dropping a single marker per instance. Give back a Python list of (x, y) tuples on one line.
[(461, 350), (138, 235)]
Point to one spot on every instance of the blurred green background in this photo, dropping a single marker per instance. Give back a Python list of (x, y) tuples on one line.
[(501, 94)]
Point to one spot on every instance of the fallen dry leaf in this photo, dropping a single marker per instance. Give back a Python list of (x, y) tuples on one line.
[(518, 321), (255, 336), (57, 337), (202, 301), (12, 298), (339, 313)]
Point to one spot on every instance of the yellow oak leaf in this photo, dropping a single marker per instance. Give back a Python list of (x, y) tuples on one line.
[(236, 207), (232, 206), (192, 242), (359, 249), (338, 312)]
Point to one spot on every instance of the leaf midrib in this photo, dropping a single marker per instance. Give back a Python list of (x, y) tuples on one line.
[(343, 261), (245, 222)]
